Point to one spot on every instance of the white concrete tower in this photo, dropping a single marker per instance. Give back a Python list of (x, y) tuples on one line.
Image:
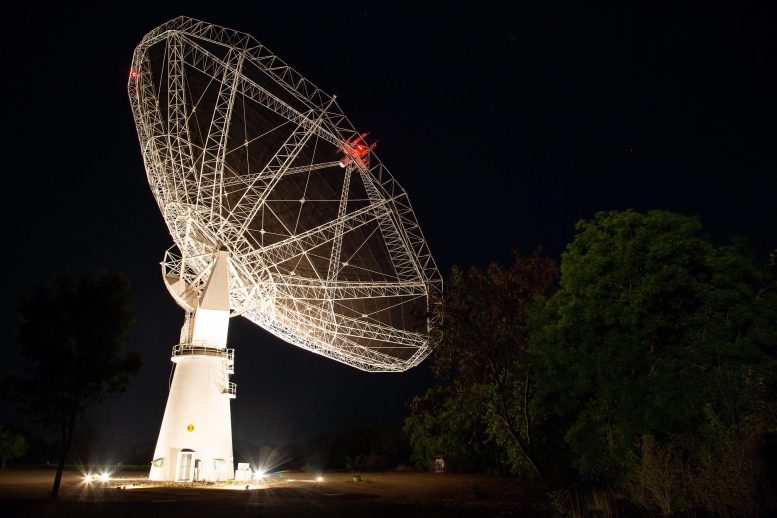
[(195, 442)]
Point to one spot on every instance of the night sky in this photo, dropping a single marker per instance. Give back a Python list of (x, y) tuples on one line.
[(505, 126)]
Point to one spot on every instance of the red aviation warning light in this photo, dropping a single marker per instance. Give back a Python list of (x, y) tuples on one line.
[(356, 150), (133, 74)]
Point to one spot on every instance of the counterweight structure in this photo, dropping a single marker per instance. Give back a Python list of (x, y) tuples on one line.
[(259, 175)]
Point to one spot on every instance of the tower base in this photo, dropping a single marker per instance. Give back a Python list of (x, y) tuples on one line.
[(195, 441)]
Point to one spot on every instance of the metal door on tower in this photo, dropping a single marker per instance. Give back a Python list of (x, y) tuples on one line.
[(185, 466)]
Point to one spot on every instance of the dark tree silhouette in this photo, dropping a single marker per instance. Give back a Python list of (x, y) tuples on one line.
[(481, 358), (660, 362), (72, 339), (12, 445)]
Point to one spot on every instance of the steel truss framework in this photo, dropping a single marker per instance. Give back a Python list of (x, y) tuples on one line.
[(243, 153)]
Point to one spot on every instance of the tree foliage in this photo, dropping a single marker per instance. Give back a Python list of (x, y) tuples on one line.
[(449, 421), (651, 370), (655, 332), (480, 359), (12, 445), (365, 447), (72, 339)]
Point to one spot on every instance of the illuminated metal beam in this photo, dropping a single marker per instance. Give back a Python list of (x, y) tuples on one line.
[(211, 200)]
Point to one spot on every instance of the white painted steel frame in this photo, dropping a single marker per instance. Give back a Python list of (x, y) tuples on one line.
[(199, 228)]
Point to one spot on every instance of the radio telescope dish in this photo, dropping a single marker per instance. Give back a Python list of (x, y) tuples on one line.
[(250, 161), (281, 213)]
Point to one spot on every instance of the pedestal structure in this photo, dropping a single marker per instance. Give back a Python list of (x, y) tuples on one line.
[(195, 441)]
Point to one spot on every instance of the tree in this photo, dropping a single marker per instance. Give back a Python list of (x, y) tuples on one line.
[(73, 340), (449, 421), (481, 358), (12, 445), (654, 334)]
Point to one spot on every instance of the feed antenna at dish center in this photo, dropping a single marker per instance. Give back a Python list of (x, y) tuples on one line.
[(280, 211)]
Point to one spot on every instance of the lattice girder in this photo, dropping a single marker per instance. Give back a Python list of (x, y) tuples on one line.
[(244, 154)]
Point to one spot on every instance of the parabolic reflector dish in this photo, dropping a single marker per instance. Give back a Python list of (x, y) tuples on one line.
[(245, 155)]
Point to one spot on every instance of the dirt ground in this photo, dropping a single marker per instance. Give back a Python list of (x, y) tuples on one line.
[(25, 493)]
